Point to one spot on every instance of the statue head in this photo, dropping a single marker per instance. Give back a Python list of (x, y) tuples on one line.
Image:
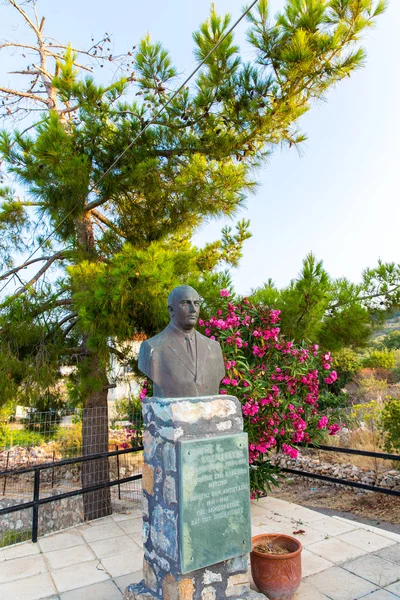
[(184, 307)]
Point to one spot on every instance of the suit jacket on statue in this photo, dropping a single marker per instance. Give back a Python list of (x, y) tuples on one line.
[(164, 359)]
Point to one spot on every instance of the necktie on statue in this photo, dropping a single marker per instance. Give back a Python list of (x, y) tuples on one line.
[(189, 347)]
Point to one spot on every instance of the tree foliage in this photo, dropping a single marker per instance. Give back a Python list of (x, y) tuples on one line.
[(121, 228), (333, 312)]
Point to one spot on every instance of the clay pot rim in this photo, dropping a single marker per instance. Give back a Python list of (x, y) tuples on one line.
[(274, 536)]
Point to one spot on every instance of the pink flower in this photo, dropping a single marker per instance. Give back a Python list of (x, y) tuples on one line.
[(333, 429), (290, 451), (322, 423), (226, 381), (224, 293)]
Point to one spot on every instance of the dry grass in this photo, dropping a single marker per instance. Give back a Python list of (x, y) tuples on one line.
[(358, 439)]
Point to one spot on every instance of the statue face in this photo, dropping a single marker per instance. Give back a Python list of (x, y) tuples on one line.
[(185, 308)]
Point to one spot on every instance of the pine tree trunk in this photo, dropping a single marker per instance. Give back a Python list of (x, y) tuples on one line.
[(95, 414), (95, 440)]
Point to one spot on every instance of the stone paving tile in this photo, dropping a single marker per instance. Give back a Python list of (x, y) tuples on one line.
[(105, 590), (339, 584), (113, 546), (132, 525), (137, 538), (124, 580), (380, 595), (374, 569), (28, 588), (19, 568), (330, 526), (57, 541), (272, 525), (123, 563), (19, 550), (336, 550), (307, 591), (132, 514), (272, 504), (394, 588), (303, 515), (378, 530), (366, 540), (310, 535), (311, 563), (102, 532), (76, 576), (390, 553), (57, 559)]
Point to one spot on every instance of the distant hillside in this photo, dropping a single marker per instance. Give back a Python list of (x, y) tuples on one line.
[(392, 323)]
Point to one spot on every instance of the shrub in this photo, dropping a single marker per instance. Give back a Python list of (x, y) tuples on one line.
[(346, 363), (392, 340), (69, 440), (328, 401), (379, 359), (390, 425), (20, 437), (277, 382)]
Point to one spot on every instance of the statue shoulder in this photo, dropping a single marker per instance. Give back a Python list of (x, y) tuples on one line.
[(210, 343), (156, 341)]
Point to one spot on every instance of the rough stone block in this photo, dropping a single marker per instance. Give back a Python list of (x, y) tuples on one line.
[(224, 425), (192, 412), (238, 585), (186, 589), (149, 445), (145, 507), (239, 564), (170, 588), (138, 591), (148, 479), (169, 457), (211, 577), (171, 434), (208, 593), (164, 529), (169, 490), (150, 577)]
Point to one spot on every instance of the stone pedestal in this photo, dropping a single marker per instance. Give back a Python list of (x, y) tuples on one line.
[(169, 424)]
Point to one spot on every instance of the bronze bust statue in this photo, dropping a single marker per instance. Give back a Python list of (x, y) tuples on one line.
[(180, 361)]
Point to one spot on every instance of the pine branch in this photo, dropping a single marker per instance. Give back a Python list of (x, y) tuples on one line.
[(109, 224), (70, 327), (117, 352), (59, 256), (363, 298), (25, 16), (41, 271), (24, 95), (67, 318)]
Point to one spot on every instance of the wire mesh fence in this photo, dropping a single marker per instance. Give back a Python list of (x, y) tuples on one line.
[(45, 439)]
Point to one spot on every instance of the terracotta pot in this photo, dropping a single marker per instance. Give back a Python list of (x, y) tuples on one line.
[(277, 575)]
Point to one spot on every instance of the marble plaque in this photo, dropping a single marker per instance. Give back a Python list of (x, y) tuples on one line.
[(214, 500)]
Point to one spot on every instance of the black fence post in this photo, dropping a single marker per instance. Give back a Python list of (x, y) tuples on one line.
[(119, 487), (35, 509)]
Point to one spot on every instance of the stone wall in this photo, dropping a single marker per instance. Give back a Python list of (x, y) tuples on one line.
[(389, 478), (54, 516)]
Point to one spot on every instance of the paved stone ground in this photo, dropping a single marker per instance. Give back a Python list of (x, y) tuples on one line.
[(342, 559)]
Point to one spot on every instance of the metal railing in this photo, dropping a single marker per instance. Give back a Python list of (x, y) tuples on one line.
[(338, 480), (37, 501)]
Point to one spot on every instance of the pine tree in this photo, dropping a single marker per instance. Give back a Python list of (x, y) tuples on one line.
[(335, 313), (122, 229)]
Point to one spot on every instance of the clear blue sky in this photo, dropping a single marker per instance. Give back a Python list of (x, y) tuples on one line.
[(339, 199)]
